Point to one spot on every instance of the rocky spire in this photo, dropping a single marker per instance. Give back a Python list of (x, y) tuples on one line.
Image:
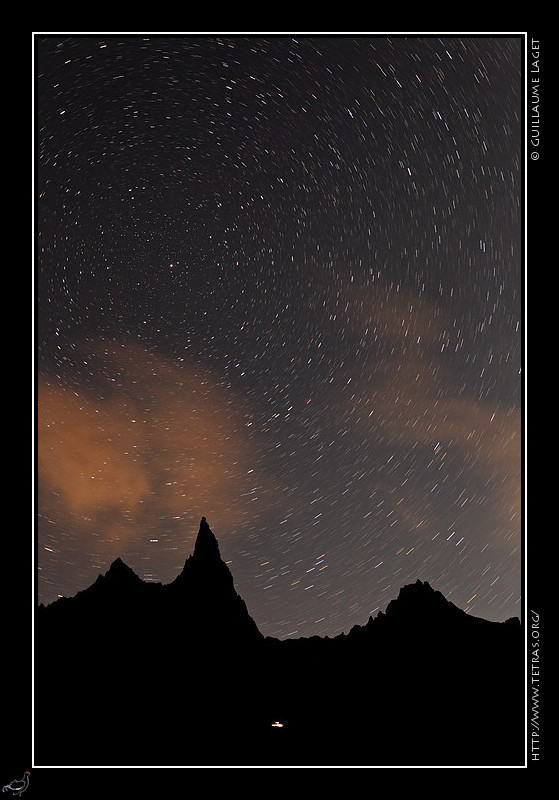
[(206, 546)]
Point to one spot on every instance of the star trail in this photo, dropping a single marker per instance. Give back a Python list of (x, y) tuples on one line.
[(279, 285)]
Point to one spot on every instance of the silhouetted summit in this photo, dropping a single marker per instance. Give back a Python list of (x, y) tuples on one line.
[(418, 602), (203, 601), (206, 546), (120, 573), (419, 606), (181, 674)]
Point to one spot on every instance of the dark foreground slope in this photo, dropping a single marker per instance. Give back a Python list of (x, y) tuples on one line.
[(132, 673)]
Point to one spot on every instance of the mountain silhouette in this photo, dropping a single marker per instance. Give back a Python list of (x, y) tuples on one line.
[(135, 673)]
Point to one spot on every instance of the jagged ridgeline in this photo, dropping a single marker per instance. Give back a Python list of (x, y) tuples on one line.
[(132, 673)]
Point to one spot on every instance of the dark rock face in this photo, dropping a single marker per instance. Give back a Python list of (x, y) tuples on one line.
[(206, 548), (133, 673)]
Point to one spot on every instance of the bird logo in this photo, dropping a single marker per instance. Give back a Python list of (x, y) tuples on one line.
[(17, 787)]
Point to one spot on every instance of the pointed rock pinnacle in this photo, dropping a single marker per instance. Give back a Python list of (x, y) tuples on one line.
[(206, 546)]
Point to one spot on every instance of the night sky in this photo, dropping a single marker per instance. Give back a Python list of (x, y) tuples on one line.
[(278, 283)]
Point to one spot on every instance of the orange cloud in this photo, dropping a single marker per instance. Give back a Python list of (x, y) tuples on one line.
[(411, 398), (88, 452), (149, 439)]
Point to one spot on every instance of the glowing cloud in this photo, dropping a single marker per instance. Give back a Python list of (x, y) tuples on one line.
[(143, 440)]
